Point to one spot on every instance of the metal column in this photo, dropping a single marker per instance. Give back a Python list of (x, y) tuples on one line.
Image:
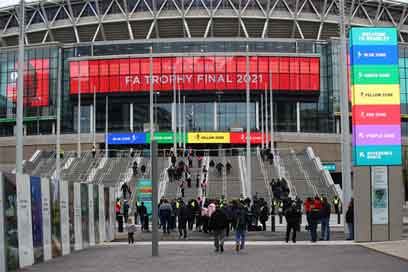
[(266, 120), (344, 111), (131, 124), (106, 126), (151, 95), (298, 116), (271, 109), (58, 145), (94, 118), (79, 114), (215, 116), (248, 129), (174, 113), (262, 123), (20, 93), (184, 122), (155, 198)]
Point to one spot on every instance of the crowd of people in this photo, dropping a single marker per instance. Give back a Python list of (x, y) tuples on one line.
[(218, 217)]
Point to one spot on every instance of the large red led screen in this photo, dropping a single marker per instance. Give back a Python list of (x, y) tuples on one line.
[(195, 74), (36, 82)]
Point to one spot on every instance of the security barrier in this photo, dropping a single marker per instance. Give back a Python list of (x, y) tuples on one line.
[(41, 219)]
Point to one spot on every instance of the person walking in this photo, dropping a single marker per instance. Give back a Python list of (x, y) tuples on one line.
[(93, 151), (143, 215), (292, 221), (264, 215), (314, 218), (165, 211), (241, 223), (125, 189), (219, 223), (182, 219), (131, 229), (350, 220), (325, 219)]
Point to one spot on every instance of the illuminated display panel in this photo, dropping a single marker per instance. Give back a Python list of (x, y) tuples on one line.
[(36, 82), (293, 74)]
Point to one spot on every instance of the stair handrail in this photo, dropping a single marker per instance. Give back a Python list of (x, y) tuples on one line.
[(307, 177), (264, 174)]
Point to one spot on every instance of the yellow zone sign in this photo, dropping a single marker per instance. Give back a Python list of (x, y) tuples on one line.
[(208, 138), (378, 94)]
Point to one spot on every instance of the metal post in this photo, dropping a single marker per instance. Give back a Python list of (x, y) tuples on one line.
[(344, 111), (151, 94), (20, 93), (298, 116), (179, 118), (262, 123), (79, 114), (58, 145), (266, 120), (94, 118), (271, 109), (155, 199), (106, 126), (184, 122), (248, 130), (174, 113), (215, 116), (131, 124)]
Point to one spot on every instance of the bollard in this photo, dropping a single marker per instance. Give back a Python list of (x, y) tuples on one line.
[(273, 229)]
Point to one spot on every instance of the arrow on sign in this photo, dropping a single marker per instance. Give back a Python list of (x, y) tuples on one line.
[(362, 155)]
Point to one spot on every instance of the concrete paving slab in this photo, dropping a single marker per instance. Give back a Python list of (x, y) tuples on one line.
[(393, 248), (259, 258)]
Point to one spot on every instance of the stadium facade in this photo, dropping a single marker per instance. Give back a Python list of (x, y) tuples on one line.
[(199, 47)]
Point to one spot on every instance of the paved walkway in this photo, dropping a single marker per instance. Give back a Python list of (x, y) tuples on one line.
[(193, 256), (394, 248)]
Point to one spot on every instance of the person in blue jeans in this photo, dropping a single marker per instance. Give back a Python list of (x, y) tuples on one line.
[(325, 219), (241, 222), (165, 211)]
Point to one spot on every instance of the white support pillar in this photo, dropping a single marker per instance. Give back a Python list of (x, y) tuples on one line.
[(215, 116), (298, 116), (257, 115), (131, 125)]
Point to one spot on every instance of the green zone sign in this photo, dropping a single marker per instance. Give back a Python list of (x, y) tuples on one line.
[(165, 137)]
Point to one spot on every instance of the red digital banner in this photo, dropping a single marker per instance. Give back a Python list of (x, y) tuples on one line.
[(36, 83), (240, 137), (195, 74), (376, 114)]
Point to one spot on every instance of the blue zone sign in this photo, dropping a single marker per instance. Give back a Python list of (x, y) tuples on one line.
[(126, 138)]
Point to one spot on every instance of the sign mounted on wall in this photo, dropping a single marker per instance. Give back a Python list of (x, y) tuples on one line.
[(376, 96), (379, 195)]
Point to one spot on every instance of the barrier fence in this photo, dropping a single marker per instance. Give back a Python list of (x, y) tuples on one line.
[(41, 219)]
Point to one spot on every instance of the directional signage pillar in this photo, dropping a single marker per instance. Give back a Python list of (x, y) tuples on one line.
[(376, 96)]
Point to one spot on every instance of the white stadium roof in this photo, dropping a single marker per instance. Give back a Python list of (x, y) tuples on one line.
[(4, 4)]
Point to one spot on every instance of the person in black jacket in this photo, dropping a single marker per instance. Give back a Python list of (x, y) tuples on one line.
[(219, 223), (182, 219), (264, 214), (143, 216), (292, 220), (350, 220)]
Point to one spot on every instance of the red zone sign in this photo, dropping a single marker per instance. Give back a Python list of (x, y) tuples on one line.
[(297, 74)]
